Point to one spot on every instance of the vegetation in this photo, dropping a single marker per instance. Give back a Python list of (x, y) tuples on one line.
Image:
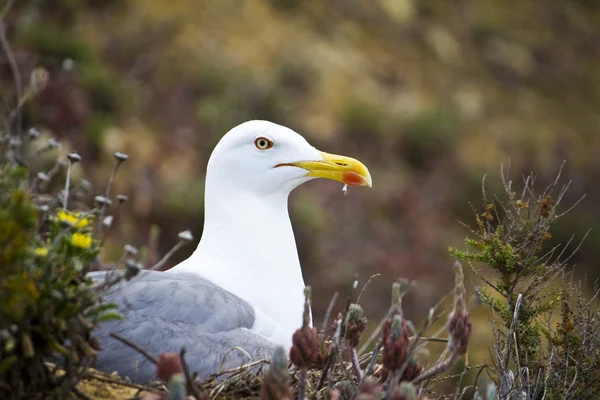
[(531, 281), (48, 309)]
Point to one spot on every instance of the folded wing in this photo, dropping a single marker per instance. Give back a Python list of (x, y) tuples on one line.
[(163, 312)]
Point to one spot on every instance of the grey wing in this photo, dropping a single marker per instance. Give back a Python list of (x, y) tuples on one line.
[(163, 312)]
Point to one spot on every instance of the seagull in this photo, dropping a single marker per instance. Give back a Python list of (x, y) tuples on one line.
[(241, 293)]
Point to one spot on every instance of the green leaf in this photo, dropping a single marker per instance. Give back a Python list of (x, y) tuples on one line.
[(109, 316), (101, 308)]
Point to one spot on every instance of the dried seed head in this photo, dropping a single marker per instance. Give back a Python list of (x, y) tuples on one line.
[(355, 324), (43, 177), (121, 198), (38, 79), (305, 348), (169, 364), (132, 268), (130, 250), (459, 327), (105, 201), (395, 342), (68, 64), (459, 321), (33, 133), (397, 331), (74, 157), (53, 143), (120, 156), (185, 236), (107, 221), (459, 288), (355, 313)]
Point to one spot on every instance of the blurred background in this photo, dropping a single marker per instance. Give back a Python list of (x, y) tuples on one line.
[(431, 95)]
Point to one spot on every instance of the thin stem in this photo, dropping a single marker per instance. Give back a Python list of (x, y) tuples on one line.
[(11, 61), (112, 179), (108, 187), (355, 364), (371, 365), (111, 225), (328, 312), (436, 369), (135, 347), (306, 313), (67, 183), (164, 260), (188, 377), (513, 327), (391, 383), (302, 384)]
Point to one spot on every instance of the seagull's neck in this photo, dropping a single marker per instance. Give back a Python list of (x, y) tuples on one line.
[(248, 248)]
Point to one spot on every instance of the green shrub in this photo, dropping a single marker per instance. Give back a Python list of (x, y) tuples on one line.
[(48, 309)]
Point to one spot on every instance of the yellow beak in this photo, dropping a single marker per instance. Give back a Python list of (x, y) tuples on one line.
[(339, 168)]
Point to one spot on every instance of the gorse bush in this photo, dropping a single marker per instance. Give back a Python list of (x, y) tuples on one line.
[(534, 355), (48, 309)]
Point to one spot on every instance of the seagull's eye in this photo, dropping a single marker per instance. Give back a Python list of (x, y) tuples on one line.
[(263, 143)]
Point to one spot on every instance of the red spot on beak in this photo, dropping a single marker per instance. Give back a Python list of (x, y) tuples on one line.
[(353, 179)]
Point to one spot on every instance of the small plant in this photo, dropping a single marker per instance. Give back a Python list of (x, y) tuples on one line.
[(305, 348), (512, 237), (48, 309)]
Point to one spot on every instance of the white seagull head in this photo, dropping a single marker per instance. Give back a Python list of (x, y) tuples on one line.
[(260, 157)]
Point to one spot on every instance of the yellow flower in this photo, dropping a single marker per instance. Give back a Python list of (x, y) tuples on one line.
[(41, 251), (81, 240), (73, 219)]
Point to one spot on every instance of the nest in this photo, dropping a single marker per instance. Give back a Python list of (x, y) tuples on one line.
[(236, 383)]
